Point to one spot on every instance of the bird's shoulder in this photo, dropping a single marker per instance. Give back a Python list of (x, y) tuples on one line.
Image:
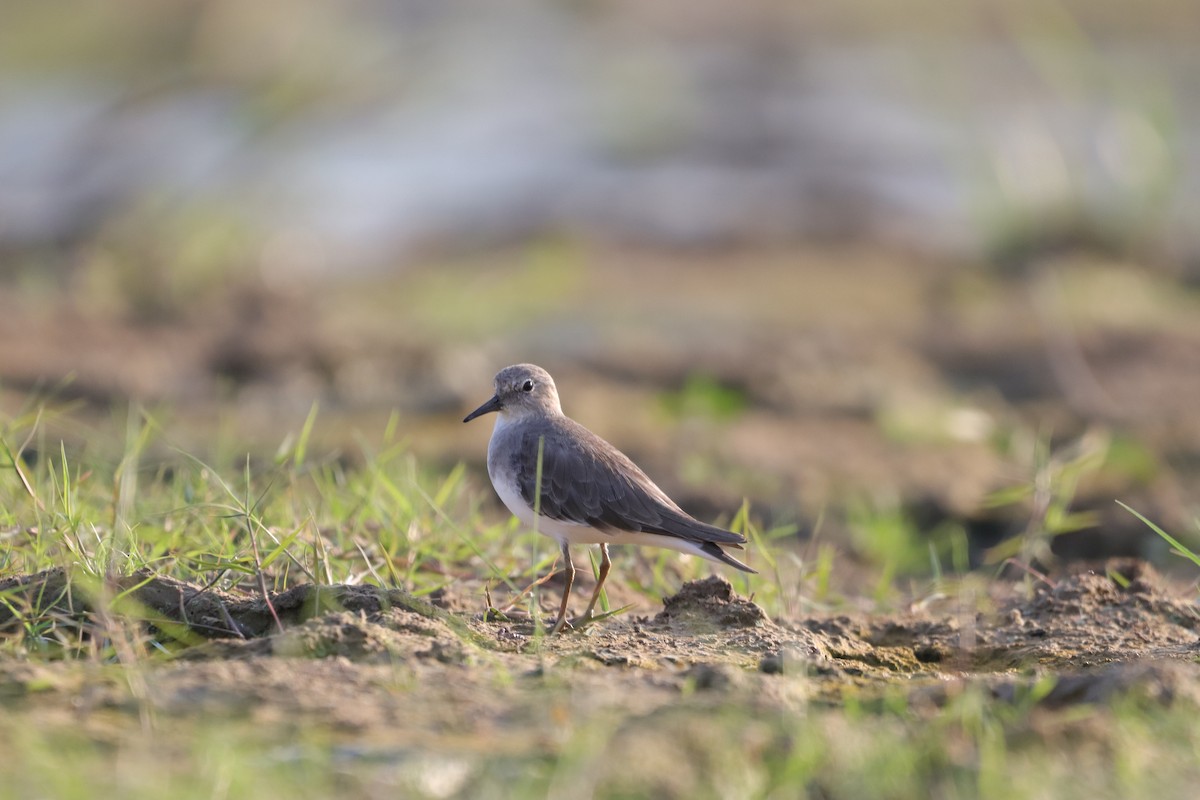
[(583, 476)]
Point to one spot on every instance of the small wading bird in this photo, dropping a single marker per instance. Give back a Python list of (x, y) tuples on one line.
[(590, 492)]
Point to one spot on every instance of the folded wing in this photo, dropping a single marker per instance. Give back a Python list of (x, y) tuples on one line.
[(587, 481)]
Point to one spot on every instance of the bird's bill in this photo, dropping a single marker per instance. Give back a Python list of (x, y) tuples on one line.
[(487, 408)]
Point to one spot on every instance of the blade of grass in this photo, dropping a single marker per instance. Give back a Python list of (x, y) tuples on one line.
[(1180, 549)]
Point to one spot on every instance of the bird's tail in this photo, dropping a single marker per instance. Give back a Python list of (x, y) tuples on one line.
[(713, 551)]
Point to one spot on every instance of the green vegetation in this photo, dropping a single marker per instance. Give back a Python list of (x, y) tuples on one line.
[(1177, 547), (972, 748), (90, 708), (703, 396)]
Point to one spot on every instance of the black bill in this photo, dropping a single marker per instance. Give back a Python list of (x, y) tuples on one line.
[(486, 408)]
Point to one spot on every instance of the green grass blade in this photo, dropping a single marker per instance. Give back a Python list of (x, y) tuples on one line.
[(1180, 549)]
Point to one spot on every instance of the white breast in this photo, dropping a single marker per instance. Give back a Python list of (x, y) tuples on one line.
[(506, 487)]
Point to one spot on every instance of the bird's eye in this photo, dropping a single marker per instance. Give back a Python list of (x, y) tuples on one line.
[(527, 386)]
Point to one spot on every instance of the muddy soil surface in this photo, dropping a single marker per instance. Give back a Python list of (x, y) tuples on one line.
[(362, 660)]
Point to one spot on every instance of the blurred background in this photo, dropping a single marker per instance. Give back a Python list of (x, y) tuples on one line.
[(892, 274)]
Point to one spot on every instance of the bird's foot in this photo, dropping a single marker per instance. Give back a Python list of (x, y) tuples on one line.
[(579, 623), (582, 622), (590, 618)]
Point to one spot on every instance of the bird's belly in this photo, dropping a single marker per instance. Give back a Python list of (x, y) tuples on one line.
[(585, 534), (556, 529)]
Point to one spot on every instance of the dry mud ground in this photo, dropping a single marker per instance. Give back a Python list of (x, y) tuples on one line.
[(386, 673)]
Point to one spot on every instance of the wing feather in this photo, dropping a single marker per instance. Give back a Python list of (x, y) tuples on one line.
[(587, 481)]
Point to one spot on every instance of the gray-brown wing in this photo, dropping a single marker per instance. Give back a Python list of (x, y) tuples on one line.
[(587, 481)]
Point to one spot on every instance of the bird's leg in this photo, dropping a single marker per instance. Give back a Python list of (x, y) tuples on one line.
[(569, 573), (604, 567)]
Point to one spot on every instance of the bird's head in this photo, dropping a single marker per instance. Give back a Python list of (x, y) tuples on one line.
[(521, 389)]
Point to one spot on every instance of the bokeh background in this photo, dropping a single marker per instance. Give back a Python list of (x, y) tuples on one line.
[(889, 273)]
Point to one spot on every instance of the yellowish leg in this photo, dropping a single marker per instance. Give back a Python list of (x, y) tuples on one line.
[(604, 566), (569, 572)]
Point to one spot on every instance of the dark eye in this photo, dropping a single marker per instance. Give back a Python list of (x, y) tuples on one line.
[(527, 386)]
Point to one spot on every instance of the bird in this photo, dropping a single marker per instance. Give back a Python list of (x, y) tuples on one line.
[(565, 482)]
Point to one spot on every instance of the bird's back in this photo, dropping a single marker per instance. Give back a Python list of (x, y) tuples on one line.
[(584, 480)]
